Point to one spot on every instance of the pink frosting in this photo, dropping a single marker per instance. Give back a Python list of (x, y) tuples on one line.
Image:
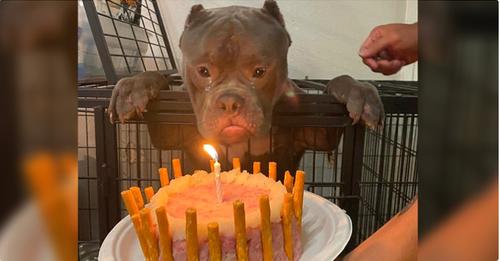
[(207, 206), (254, 245)]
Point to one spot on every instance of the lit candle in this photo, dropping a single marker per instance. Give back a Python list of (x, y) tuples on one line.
[(213, 153)]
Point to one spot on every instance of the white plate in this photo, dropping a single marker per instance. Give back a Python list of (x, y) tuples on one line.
[(326, 230)]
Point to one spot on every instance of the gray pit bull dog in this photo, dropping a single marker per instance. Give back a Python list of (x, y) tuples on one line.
[(235, 70)]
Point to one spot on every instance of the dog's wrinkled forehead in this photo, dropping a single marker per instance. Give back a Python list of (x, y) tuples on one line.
[(223, 35)]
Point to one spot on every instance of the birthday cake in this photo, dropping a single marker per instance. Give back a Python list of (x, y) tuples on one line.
[(257, 219)]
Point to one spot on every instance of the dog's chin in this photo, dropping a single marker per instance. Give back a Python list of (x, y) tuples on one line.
[(233, 134)]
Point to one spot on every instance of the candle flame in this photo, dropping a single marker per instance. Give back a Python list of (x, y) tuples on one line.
[(211, 151)]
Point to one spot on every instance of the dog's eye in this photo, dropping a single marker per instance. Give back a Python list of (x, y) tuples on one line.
[(259, 72), (203, 71)]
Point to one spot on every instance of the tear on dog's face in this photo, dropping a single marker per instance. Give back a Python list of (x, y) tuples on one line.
[(235, 69)]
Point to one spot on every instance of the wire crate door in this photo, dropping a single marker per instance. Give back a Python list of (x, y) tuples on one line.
[(130, 37)]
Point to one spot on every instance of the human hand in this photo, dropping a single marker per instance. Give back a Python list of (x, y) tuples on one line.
[(390, 47)]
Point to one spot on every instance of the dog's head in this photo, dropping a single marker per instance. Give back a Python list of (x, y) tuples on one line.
[(235, 68)]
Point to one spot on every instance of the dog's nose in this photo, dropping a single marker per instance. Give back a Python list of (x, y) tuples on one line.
[(230, 103)]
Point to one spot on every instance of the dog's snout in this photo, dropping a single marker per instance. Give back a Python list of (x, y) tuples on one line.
[(230, 103)]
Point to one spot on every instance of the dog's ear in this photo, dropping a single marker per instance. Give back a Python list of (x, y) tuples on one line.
[(271, 7), (195, 11)]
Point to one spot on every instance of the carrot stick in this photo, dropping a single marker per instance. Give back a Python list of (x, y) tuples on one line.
[(272, 170), (288, 182), (214, 243), (163, 176), (191, 235), (298, 196), (136, 191), (129, 201), (240, 230), (147, 228), (236, 163), (176, 164), (265, 228), (256, 167), (150, 192), (136, 220), (165, 238), (286, 218)]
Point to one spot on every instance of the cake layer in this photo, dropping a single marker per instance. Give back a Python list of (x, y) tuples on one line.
[(254, 246), (198, 191)]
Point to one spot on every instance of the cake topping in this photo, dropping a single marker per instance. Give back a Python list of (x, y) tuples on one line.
[(204, 200), (197, 191)]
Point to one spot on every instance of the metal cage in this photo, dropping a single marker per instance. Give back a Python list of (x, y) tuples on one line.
[(128, 38)]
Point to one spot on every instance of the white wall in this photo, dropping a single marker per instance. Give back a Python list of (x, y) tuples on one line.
[(326, 35)]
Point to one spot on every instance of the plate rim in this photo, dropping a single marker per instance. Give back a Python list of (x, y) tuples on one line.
[(344, 215), (108, 247)]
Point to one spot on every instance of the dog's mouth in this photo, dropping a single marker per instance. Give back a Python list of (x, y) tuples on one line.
[(234, 133), (233, 130)]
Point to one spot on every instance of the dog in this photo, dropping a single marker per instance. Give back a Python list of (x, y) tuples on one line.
[(234, 68)]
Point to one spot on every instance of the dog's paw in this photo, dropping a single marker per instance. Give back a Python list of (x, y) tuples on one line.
[(361, 99), (130, 98)]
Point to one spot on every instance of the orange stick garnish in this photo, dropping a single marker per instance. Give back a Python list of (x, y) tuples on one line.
[(214, 243), (212, 162), (191, 235), (176, 165), (256, 167), (272, 170), (147, 228), (164, 180), (288, 182), (298, 196), (236, 163), (150, 192), (165, 238), (240, 230), (129, 201), (265, 228), (136, 220), (136, 191), (286, 219)]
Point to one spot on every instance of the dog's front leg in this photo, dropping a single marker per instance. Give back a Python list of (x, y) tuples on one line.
[(363, 104), (134, 95), (361, 99)]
